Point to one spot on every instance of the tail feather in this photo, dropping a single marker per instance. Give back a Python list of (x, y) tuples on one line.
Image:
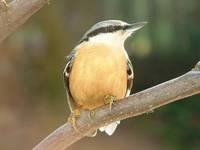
[(110, 129)]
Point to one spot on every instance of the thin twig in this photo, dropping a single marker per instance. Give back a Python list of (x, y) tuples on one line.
[(17, 13), (134, 105)]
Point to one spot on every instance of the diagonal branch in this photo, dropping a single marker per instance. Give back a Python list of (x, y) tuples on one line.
[(134, 105), (16, 13)]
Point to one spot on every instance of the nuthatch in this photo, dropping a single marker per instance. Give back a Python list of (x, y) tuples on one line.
[(98, 70)]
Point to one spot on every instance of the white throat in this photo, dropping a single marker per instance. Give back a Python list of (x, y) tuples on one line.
[(110, 38)]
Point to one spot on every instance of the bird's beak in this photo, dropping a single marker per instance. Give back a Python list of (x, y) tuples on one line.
[(135, 26)]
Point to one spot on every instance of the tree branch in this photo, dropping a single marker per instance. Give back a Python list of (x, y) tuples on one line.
[(134, 105), (17, 13)]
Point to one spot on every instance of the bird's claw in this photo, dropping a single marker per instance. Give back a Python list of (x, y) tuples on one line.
[(109, 99), (73, 117), (92, 114)]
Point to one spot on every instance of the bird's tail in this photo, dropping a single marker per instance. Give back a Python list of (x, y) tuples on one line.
[(110, 129)]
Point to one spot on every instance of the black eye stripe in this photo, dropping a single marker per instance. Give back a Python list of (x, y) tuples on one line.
[(108, 29), (105, 30)]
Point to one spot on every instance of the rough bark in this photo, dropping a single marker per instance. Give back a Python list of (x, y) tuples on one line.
[(16, 13)]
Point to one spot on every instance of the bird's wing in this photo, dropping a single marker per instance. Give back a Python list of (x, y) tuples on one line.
[(130, 76), (66, 73)]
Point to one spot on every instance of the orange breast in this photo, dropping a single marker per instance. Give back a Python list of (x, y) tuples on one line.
[(98, 70)]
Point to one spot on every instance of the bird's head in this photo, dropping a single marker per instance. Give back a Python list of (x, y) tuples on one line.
[(111, 31)]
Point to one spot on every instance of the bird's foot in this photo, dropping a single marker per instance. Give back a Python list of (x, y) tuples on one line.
[(92, 114), (73, 117), (109, 99)]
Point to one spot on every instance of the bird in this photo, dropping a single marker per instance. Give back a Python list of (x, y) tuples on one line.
[(98, 70)]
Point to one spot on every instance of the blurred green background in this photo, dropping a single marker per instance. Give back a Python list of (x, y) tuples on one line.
[(32, 97)]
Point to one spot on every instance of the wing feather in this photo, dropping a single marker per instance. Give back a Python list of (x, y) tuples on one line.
[(66, 73), (130, 76)]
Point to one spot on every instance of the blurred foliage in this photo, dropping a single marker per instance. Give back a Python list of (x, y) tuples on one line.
[(165, 48), (181, 124)]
